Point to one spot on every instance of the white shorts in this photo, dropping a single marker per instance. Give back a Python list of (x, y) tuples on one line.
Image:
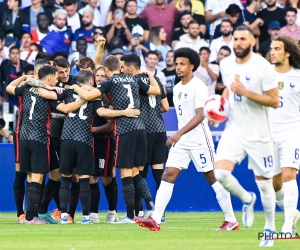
[(286, 150), (234, 148), (202, 158)]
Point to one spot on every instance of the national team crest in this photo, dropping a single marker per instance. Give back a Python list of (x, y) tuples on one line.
[(179, 95), (280, 85)]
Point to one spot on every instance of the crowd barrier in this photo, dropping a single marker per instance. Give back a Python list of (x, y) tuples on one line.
[(191, 191)]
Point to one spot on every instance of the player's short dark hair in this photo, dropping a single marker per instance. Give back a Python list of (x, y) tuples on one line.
[(13, 48), (27, 68), (86, 62), (131, 59), (226, 21), (40, 63), (112, 63), (62, 62), (192, 22), (291, 9), (205, 48), (152, 52), (233, 9), (39, 47), (84, 76), (128, 2), (42, 14), (224, 47), (46, 70), (69, 2), (60, 54), (190, 54), (244, 28), (27, 33), (44, 55)]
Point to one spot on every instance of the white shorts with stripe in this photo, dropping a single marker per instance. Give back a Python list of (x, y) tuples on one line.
[(203, 158)]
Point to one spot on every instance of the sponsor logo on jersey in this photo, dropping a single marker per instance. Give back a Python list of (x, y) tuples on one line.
[(185, 95), (179, 95), (280, 85), (248, 78), (292, 85)]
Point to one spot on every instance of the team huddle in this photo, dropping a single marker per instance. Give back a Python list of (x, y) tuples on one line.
[(81, 131)]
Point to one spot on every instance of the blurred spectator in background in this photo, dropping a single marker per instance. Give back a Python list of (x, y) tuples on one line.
[(74, 19), (36, 47), (291, 29), (92, 6), (10, 70), (28, 69), (233, 13), (225, 39), (198, 7), (81, 47), (207, 72), (26, 53), (33, 11), (42, 28), (294, 4), (192, 39), (132, 20), (163, 14), (223, 52), (185, 18), (4, 51), (268, 15), (171, 77), (215, 12), (14, 19), (274, 32), (115, 4)]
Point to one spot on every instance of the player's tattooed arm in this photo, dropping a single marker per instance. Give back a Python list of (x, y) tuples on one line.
[(154, 87), (37, 84), (87, 95), (15, 83), (109, 113), (108, 127)]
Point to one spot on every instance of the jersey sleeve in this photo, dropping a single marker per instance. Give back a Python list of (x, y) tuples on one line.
[(143, 87), (200, 95), (268, 80), (63, 95), (105, 87), (54, 103), (19, 90), (98, 104)]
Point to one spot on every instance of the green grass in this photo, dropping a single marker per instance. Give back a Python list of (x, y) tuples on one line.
[(183, 231)]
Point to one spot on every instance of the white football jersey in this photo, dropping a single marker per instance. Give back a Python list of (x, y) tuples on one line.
[(287, 115), (247, 117), (187, 98)]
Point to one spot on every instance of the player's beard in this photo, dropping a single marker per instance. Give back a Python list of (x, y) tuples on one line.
[(271, 5), (226, 34), (87, 24), (244, 53)]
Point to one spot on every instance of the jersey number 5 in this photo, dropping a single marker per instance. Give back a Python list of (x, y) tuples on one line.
[(129, 94), (82, 108)]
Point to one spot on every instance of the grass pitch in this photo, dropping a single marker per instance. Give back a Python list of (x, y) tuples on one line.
[(182, 231)]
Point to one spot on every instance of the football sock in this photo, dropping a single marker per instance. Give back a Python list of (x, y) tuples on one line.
[(137, 200), (128, 194), (157, 174), (56, 197), (33, 194), (224, 200), (163, 197), (95, 197), (231, 184), (75, 189), (290, 199), (116, 193), (85, 196), (267, 195), (64, 193), (42, 190), (109, 193), (49, 191), (279, 198), (141, 186), (19, 191)]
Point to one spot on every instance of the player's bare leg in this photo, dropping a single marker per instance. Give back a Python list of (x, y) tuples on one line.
[(51, 188), (95, 199), (224, 200), (19, 193), (287, 193), (33, 195), (223, 173)]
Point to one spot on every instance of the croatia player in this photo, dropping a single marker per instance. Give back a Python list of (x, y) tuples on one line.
[(285, 54), (193, 141), (251, 89)]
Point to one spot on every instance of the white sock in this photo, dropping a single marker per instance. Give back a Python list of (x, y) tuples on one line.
[(267, 195), (279, 198), (224, 200), (290, 199), (231, 184), (163, 196)]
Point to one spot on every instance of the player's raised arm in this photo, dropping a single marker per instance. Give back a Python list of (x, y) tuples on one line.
[(87, 95), (70, 107), (15, 83), (108, 127)]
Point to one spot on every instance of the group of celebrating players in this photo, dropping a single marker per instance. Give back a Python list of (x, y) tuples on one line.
[(118, 123)]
